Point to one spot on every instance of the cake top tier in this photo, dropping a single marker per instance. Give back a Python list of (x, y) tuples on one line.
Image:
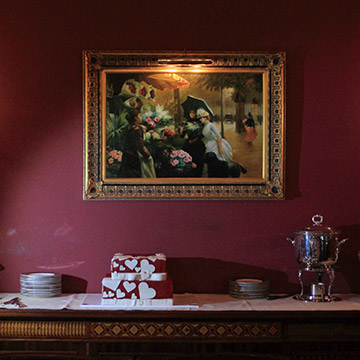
[(125, 266), (152, 257)]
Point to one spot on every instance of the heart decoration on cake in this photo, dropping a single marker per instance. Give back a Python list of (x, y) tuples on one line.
[(133, 296), (146, 267), (146, 270), (146, 292), (111, 284), (110, 294), (122, 268), (119, 294), (115, 264), (105, 294), (129, 286), (144, 276), (131, 263), (137, 269)]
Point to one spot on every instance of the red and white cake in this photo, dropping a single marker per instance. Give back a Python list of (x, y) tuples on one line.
[(137, 280)]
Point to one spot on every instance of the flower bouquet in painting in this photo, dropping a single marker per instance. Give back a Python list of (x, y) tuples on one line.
[(133, 94), (133, 88), (130, 88), (146, 91), (155, 117), (113, 162), (133, 103), (181, 163)]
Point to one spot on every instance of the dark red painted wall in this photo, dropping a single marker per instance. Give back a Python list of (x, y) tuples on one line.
[(45, 224)]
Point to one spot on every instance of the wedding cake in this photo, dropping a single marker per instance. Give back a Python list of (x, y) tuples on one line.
[(137, 280)]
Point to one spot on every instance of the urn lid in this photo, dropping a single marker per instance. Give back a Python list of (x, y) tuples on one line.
[(318, 226)]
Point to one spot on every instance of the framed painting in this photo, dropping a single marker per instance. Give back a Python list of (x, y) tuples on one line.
[(184, 125)]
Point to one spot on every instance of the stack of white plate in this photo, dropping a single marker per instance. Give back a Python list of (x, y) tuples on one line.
[(249, 288), (40, 284)]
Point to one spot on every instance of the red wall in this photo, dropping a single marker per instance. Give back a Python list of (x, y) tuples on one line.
[(45, 224)]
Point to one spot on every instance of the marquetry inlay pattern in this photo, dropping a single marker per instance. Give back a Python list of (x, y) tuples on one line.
[(308, 331), (186, 330), (41, 329)]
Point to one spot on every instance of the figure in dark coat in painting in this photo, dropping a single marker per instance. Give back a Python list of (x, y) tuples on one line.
[(193, 144), (136, 160)]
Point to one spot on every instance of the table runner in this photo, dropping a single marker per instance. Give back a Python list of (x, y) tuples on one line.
[(184, 302)]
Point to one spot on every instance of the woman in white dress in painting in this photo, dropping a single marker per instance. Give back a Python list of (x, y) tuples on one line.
[(213, 140)]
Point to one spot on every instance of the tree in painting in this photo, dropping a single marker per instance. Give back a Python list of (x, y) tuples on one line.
[(247, 88)]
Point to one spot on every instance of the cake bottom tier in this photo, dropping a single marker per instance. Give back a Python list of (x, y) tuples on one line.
[(137, 302), (137, 292)]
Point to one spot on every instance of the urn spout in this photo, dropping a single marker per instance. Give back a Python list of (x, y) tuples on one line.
[(340, 242)]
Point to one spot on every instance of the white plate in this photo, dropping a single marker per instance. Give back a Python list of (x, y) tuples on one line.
[(41, 276)]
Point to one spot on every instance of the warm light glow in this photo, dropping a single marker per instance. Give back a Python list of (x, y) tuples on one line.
[(171, 70), (192, 68)]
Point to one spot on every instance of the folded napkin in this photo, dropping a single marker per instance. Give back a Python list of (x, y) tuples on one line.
[(18, 301)]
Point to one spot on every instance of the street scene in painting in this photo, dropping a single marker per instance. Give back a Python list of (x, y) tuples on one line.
[(188, 125)]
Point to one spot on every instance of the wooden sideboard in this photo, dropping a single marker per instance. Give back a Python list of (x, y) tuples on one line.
[(175, 335)]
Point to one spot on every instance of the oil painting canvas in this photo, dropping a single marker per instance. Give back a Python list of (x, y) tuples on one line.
[(187, 125)]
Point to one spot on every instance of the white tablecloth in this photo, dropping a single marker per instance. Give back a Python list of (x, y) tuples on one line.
[(182, 302)]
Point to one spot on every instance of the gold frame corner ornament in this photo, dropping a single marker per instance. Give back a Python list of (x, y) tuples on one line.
[(271, 185), (94, 190)]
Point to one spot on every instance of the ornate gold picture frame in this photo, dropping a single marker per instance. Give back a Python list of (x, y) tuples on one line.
[(184, 125)]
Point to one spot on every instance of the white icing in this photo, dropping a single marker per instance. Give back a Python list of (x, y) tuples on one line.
[(129, 286), (158, 277), (145, 291), (120, 294), (131, 263), (136, 276), (144, 275), (156, 257), (111, 283), (131, 276), (146, 268), (137, 302), (121, 256)]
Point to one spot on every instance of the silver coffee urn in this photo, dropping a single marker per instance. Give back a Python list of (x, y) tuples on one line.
[(317, 250)]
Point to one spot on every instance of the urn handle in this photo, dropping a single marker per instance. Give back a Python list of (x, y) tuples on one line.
[(340, 242), (291, 240)]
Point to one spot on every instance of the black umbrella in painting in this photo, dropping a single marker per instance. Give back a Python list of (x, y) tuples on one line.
[(193, 103)]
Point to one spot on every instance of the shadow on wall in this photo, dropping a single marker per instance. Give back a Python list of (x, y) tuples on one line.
[(349, 262), (73, 284), (295, 81), (199, 275)]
